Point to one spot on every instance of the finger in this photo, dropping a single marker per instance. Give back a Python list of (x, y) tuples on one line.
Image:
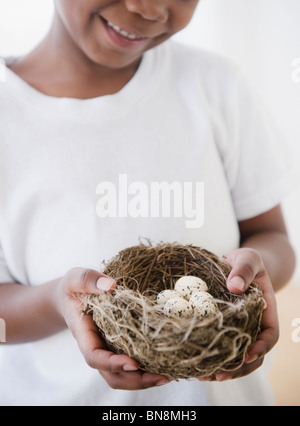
[(89, 281), (135, 380), (266, 340), (120, 371), (94, 349), (241, 276), (243, 371), (269, 334), (246, 265), (205, 378)]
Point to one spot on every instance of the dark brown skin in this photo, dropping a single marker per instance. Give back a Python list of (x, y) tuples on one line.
[(76, 59)]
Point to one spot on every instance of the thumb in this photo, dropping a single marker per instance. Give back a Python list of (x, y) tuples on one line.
[(80, 280), (246, 265), (106, 283), (236, 284)]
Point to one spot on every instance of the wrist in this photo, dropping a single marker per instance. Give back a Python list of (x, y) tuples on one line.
[(55, 301), (30, 312)]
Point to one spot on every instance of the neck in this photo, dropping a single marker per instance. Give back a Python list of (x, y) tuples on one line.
[(58, 67)]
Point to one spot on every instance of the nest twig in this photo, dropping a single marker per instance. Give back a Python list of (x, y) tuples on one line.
[(132, 323)]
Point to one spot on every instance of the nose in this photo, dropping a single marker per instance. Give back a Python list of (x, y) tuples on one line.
[(153, 10)]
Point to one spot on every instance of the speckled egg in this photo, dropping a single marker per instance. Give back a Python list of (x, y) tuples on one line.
[(189, 285), (166, 295), (203, 304), (178, 307)]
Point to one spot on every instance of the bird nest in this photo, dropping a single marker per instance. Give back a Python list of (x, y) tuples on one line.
[(132, 323)]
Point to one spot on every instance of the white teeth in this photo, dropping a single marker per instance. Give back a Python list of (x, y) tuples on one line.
[(123, 32)]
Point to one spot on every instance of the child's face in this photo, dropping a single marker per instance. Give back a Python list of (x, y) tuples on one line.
[(115, 33)]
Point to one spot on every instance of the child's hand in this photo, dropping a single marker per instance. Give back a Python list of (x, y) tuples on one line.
[(120, 371), (247, 267)]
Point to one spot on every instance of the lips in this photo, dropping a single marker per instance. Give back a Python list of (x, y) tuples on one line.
[(124, 33), (123, 38)]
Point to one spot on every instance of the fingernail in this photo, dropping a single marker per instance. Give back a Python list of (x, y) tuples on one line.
[(249, 360), (221, 377), (238, 283), (265, 305), (105, 283), (162, 382), (129, 367)]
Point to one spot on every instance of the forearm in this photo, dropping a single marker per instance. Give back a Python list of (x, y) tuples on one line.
[(277, 254), (29, 312)]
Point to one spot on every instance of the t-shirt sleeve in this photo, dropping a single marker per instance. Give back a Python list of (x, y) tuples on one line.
[(260, 164), (5, 275)]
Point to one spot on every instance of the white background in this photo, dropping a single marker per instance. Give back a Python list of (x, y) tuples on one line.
[(261, 35)]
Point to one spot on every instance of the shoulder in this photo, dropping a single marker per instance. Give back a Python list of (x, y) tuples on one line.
[(10, 83), (200, 60), (201, 75), (208, 74), (4, 72)]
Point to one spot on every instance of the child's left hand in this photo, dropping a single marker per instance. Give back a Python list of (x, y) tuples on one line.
[(247, 267)]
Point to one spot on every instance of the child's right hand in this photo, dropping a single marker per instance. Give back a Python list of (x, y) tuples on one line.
[(119, 371)]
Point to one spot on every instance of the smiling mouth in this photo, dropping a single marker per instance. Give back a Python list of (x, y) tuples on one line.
[(127, 35)]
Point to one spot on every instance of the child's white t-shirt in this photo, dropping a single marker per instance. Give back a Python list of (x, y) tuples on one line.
[(181, 153)]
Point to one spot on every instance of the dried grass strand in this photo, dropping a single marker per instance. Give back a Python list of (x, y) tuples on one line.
[(132, 323)]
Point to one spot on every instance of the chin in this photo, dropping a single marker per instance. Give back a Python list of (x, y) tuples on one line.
[(113, 60)]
